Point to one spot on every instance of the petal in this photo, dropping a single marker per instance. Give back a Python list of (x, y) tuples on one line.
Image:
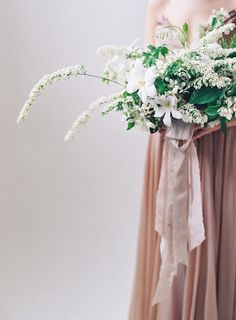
[(151, 91), (143, 95), (150, 76), (176, 113), (139, 69), (159, 112), (159, 100), (173, 101), (167, 119), (132, 46), (132, 86)]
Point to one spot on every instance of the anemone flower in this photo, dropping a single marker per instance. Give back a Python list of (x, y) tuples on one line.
[(142, 79), (167, 108)]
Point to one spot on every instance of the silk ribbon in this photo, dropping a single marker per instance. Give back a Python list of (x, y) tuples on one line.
[(179, 214)]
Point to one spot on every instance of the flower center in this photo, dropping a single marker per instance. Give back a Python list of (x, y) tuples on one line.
[(141, 83), (166, 104)]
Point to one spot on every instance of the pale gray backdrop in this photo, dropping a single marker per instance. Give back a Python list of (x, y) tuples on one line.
[(69, 213)]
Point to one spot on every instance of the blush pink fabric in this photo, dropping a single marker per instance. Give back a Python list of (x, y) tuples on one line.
[(206, 288)]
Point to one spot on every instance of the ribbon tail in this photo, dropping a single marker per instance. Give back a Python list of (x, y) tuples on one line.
[(179, 217), (195, 218), (163, 220)]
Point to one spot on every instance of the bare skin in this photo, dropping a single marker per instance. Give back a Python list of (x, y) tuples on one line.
[(178, 12)]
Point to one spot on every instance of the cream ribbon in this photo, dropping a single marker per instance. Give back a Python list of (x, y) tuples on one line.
[(179, 215)]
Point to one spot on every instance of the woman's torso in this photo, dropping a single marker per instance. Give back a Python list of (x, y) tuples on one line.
[(192, 11)]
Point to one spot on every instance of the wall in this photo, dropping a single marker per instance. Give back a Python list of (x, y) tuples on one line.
[(69, 213)]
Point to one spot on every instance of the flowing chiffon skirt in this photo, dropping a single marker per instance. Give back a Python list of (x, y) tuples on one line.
[(206, 289)]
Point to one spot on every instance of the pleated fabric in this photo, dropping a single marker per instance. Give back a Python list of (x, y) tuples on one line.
[(206, 289)]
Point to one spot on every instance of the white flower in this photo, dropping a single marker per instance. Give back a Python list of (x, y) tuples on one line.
[(142, 79), (216, 34), (226, 112), (85, 116), (167, 108), (80, 121), (62, 74)]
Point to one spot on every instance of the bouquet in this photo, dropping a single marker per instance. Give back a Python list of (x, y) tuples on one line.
[(194, 83), (177, 89)]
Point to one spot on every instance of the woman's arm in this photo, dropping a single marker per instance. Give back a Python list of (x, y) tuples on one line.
[(204, 131), (154, 8)]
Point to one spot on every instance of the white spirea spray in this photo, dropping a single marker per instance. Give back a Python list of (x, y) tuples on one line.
[(62, 74), (84, 117), (110, 51), (215, 35), (202, 77)]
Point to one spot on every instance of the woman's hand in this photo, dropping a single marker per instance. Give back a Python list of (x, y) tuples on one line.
[(200, 132)]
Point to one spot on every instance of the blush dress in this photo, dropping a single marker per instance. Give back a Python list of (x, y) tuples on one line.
[(206, 288)]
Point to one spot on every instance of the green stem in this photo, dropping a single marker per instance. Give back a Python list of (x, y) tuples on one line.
[(185, 36), (102, 78)]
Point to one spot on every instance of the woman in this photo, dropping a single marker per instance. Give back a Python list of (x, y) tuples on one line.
[(206, 289)]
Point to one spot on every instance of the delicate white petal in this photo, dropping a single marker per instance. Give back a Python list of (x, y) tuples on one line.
[(173, 101), (132, 46), (139, 69), (159, 112), (132, 86), (143, 95), (167, 119), (176, 113), (151, 91), (150, 76)]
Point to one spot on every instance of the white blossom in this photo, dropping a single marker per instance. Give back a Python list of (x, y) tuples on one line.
[(190, 114), (84, 117), (219, 14), (80, 121), (142, 79), (110, 51), (217, 34), (226, 112), (62, 74), (167, 108)]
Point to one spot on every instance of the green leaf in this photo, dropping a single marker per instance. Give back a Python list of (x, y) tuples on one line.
[(153, 54), (164, 50), (151, 47), (136, 98), (212, 110), (160, 86), (131, 124), (125, 94), (213, 118), (223, 125), (232, 55), (119, 106), (185, 28), (153, 130), (205, 95), (232, 91), (173, 68), (233, 41), (214, 22), (224, 44)]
